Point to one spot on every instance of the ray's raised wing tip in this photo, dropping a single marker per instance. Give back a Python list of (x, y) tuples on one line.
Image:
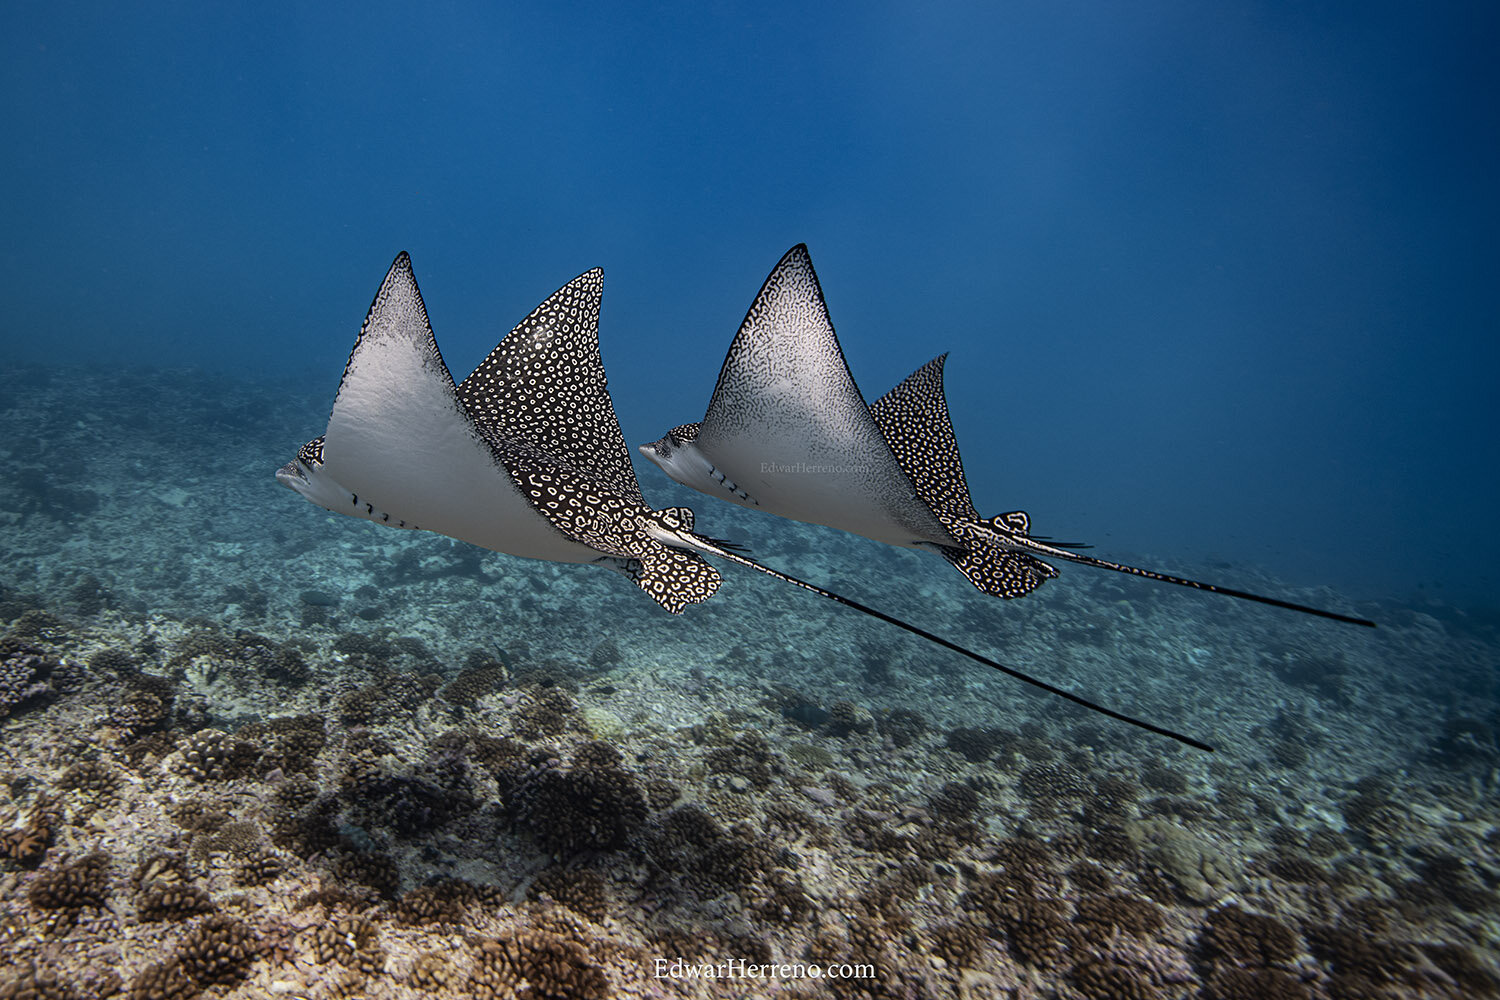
[(590, 282)]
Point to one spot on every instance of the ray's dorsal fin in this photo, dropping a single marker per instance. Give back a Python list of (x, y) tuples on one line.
[(914, 419), (541, 399), (395, 370), (545, 384), (787, 425)]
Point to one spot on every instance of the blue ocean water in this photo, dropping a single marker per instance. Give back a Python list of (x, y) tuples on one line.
[(1216, 281), (1216, 284)]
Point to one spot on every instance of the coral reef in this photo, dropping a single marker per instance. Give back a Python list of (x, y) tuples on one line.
[(388, 768), (590, 802), (26, 675)]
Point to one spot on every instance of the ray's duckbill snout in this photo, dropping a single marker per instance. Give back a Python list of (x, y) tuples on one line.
[(291, 476)]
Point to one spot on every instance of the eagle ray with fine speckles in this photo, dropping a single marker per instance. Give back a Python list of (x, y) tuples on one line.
[(788, 432), (525, 456)]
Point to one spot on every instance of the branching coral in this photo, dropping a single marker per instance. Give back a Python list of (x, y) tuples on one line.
[(956, 800), (163, 981), (350, 941), (1102, 979), (548, 713), (846, 718), (290, 743), (473, 683), (1239, 937), (72, 888), (27, 843), (390, 696), (218, 952), (1100, 916), (214, 755), (747, 755), (1052, 786), (687, 843), (36, 982), (1254, 984), (25, 675), (902, 726), (979, 743), (534, 965), (593, 802), (443, 902), (581, 890), (1352, 954), (161, 901)]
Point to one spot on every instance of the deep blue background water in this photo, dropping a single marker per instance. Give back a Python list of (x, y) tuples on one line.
[(1218, 279)]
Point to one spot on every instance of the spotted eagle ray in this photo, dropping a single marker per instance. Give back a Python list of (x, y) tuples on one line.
[(525, 456), (788, 432)]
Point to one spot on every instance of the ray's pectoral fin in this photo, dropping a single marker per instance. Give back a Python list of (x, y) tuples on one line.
[(1000, 572), (589, 512), (672, 577)]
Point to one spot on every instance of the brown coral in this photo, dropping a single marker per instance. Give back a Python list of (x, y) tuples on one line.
[(1051, 786), (25, 675), (1102, 979), (978, 743), (36, 982), (258, 868), (350, 941), (214, 755), (1102, 915), (592, 803), (161, 901), (1037, 931), (581, 890), (1351, 954), (218, 952), (27, 844), (80, 885), (955, 800), (473, 683), (441, 902), (550, 713), (1237, 936), (958, 945), (534, 965), (162, 981), (902, 726), (1254, 984)]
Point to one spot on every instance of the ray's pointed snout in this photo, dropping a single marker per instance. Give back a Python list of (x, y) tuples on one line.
[(291, 475)]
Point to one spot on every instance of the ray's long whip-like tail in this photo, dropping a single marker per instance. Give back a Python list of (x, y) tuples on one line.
[(716, 548), (1026, 543)]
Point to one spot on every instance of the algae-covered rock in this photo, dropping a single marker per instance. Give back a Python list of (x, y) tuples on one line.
[(602, 722), (1200, 869)]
